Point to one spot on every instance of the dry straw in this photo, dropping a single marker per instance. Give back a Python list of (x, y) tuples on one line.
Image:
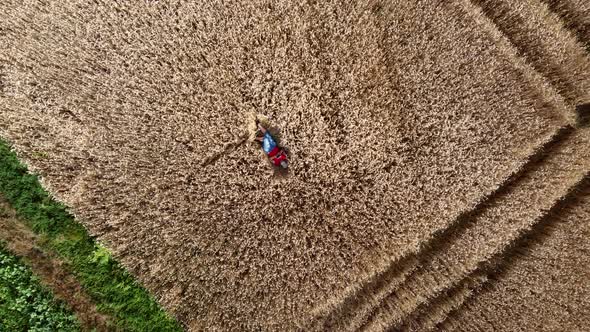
[(544, 284), (396, 124)]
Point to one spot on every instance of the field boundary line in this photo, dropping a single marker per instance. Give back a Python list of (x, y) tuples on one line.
[(53, 272), (109, 285)]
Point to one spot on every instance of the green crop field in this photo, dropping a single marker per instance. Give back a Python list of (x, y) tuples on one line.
[(25, 305)]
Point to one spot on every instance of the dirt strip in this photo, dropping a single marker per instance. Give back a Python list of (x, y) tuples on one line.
[(53, 272)]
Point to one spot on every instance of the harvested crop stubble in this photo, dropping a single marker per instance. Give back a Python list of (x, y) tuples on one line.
[(502, 221), (541, 38), (545, 286), (576, 16), (395, 124)]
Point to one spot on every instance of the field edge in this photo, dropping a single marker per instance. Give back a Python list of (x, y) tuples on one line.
[(114, 290)]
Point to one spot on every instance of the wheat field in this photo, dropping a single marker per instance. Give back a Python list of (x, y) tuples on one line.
[(426, 140)]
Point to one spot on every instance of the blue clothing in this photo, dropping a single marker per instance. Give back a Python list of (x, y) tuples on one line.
[(268, 143)]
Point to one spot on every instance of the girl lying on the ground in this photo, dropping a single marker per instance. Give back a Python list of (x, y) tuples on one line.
[(276, 155)]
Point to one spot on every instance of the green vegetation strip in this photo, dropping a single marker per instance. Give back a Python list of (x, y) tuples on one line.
[(25, 305), (113, 289)]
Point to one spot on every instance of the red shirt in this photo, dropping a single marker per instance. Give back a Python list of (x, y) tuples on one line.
[(279, 158)]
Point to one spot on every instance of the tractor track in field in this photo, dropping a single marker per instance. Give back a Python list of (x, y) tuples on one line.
[(463, 223), (460, 293), (570, 14), (497, 267), (386, 283), (52, 271), (566, 138), (373, 292)]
